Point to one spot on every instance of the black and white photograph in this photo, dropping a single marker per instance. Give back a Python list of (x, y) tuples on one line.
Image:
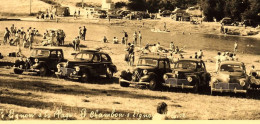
[(129, 60)]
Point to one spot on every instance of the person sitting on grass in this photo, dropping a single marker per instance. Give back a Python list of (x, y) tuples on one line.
[(115, 40), (162, 110)]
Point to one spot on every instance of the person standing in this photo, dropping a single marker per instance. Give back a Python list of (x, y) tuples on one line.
[(200, 54), (218, 60), (126, 37), (172, 47), (235, 47), (140, 38), (105, 39), (79, 13), (6, 35), (84, 33), (12, 31), (80, 33), (135, 38), (77, 44)]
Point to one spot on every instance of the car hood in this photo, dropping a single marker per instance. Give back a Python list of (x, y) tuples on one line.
[(184, 70), (231, 77)]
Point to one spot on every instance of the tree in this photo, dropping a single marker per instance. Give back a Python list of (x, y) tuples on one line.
[(120, 4), (137, 5)]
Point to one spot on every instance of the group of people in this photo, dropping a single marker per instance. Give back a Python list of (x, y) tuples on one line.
[(54, 37), (16, 36), (225, 56), (130, 56), (82, 33)]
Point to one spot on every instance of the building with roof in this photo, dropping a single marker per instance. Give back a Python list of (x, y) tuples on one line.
[(108, 5)]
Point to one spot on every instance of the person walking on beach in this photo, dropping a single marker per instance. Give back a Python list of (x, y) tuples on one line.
[(135, 38), (6, 35), (200, 54), (126, 37), (165, 28), (140, 38), (218, 60), (235, 47), (79, 13), (80, 33), (84, 33), (105, 39), (77, 44)]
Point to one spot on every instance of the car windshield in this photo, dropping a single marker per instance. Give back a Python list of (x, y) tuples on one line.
[(84, 56), (42, 53), (147, 62), (231, 68), (186, 65)]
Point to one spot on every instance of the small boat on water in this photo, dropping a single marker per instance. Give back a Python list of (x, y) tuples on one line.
[(160, 31)]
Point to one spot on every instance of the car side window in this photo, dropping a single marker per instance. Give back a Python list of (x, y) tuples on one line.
[(59, 54), (167, 64), (105, 58), (161, 64), (96, 58), (53, 54)]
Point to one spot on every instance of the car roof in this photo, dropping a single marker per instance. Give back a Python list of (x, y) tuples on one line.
[(192, 60), (232, 62), (48, 48), (152, 56), (92, 51)]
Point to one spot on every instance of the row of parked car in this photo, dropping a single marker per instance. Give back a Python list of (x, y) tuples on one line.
[(153, 71)]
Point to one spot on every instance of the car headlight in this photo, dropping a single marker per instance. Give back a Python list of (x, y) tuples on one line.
[(77, 69), (242, 83), (136, 72), (21, 66), (145, 72), (36, 60), (58, 66), (74, 72), (165, 77), (189, 79)]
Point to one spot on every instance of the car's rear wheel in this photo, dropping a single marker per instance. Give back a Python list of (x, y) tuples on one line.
[(43, 71), (18, 71), (109, 73), (124, 84), (153, 85), (85, 77)]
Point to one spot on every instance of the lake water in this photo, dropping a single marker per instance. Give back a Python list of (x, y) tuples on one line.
[(190, 41)]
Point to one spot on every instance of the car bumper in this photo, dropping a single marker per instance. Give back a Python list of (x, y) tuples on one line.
[(178, 83), (132, 82), (228, 87), (68, 72)]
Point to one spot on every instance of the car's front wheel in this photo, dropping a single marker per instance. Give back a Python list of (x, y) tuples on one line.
[(85, 77), (43, 71), (153, 85), (18, 71)]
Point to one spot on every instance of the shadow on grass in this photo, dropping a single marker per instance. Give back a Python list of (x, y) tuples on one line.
[(71, 89)]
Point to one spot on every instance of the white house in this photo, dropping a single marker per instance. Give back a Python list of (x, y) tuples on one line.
[(108, 5)]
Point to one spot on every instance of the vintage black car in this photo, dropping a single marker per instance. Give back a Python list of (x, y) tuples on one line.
[(87, 64), (42, 60), (231, 77), (188, 74), (149, 71)]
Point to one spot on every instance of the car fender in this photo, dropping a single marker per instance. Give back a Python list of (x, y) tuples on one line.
[(152, 75), (84, 69), (40, 64)]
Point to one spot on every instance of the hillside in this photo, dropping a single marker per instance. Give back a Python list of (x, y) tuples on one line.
[(21, 7)]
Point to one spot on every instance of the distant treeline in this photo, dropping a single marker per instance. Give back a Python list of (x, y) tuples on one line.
[(236, 9), (50, 2)]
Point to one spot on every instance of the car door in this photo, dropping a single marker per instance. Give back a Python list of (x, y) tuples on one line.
[(53, 59), (202, 72), (161, 69), (99, 68), (106, 61)]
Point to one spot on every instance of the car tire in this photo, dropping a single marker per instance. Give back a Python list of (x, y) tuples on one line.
[(124, 84), (18, 71), (43, 71), (85, 77), (109, 74), (196, 88), (153, 85)]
